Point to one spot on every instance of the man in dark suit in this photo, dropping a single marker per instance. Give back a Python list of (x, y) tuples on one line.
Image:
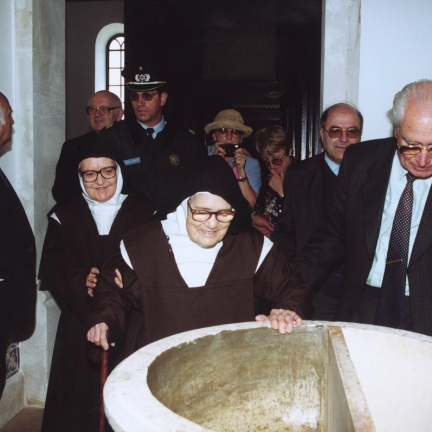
[(17, 259), (308, 188), (381, 223), (103, 110)]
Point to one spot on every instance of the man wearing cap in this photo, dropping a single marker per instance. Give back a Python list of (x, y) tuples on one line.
[(104, 108), (228, 130), (157, 154)]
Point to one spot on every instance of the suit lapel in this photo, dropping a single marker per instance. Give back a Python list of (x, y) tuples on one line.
[(423, 240), (312, 183), (373, 198)]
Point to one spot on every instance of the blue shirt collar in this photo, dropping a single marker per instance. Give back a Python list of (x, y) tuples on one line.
[(333, 166), (157, 128)]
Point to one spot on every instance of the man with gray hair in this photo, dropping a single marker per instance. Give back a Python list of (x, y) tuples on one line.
[(380, 225), (104, 108), (17, 259)]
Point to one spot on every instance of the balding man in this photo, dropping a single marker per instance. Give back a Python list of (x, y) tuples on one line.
[(381, 223), (104, 109), (17, 259), (309, 188)]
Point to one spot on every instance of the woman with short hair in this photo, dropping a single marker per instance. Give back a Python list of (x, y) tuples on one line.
[(276, 152)]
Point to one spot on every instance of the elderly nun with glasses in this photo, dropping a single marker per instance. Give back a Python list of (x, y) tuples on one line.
[(197, 268), (228, 130), (82, 233)]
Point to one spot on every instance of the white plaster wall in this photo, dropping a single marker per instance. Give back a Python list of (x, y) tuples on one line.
[(84, 20), (395, 50), (371, 49), (340, 53)]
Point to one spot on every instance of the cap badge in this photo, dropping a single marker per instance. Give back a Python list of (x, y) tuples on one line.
[(142, 78), (174, 159)]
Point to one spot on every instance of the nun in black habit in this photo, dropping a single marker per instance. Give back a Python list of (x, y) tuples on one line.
[(200, 266), (81, 234)]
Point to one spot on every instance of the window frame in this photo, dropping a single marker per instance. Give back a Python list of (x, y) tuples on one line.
[(107, 64)]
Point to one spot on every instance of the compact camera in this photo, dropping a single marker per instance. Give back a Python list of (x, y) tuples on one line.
[(229, 149)]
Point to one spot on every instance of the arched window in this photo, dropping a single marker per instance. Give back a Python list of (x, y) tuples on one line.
[(106, 35), (114, 65)]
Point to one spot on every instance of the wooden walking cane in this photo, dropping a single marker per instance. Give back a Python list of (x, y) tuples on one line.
[(103, 378)]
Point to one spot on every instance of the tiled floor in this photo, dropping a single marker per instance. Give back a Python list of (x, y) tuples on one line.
[(27, 420)]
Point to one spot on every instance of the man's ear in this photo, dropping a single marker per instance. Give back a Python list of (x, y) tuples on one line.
[(321, 131), (120, 114), (163, 98)]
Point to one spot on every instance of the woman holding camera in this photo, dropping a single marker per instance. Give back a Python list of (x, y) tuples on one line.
[(228, 131)]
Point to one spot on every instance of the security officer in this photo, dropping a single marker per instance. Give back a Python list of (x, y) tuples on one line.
[(157, 154)]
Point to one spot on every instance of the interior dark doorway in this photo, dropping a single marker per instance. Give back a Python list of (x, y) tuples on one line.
[(260, 58)]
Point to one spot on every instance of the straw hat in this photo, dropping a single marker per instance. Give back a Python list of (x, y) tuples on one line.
[(230, 119)]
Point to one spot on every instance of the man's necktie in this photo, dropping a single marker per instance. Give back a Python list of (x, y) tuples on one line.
[(150, 132), (391, 303)]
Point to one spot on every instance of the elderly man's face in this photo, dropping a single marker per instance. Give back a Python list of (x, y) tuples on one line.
[(416, 129), (149, 112), (343, 118), (209, 233), (98, 121), (227, 136), (5, 129)]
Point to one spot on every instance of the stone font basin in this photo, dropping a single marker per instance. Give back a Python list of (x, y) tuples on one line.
[(248, 377)]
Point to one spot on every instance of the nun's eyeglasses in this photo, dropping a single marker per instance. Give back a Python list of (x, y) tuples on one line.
[(223, 216), (107, 173)]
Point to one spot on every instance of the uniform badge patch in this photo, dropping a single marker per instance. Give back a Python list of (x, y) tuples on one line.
[(174, 159)]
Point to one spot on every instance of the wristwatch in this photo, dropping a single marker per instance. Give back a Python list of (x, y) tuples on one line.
[(241, 179)]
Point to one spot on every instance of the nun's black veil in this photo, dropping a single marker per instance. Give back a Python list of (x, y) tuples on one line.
[(212, 174), (94, 146)]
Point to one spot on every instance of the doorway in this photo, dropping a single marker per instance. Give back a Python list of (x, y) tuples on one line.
[(262, 59)]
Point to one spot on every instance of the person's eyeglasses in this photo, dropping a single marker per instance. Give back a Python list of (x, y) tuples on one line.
[(223, 216), (412, 149), (134, 96), (91, 176), (225, 131), (335, 132), (275, 161), (103, 110)]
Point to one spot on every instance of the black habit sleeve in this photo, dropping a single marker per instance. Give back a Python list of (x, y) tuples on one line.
[(61, 272)]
